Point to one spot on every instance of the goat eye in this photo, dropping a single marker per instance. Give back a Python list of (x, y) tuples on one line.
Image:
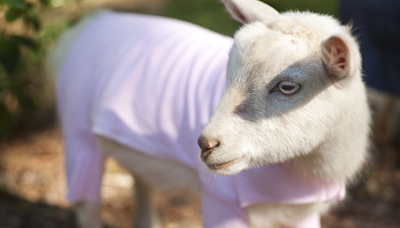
[(287, 87)]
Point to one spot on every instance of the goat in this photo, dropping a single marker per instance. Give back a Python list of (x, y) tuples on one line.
[(289, 131)]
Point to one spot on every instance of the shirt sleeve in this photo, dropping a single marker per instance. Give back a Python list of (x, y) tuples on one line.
[(84, 166)]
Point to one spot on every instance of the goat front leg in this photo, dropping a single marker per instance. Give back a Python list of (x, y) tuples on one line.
[(88, 214), (145, 213), (137, 163)]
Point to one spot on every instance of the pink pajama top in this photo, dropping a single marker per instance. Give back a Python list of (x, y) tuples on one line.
[(152, 84)]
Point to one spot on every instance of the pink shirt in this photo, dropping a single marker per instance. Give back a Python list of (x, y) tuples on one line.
[(152, 84)]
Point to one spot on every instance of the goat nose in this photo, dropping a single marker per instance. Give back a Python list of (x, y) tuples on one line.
[(207, 144)]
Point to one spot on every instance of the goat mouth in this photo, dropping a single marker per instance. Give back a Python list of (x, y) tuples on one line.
[(223, 165)]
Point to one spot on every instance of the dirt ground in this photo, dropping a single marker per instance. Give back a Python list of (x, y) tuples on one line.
[(32, 189)]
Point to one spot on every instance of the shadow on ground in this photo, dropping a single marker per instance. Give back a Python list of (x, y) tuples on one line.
[(17, 212)]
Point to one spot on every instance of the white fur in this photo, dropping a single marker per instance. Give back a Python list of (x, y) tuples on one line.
[(323, 128)]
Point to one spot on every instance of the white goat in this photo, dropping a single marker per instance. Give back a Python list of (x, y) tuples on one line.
[(294, 106)]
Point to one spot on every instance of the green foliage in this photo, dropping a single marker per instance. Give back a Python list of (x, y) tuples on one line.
[(212, 15), (9, 54), (11, 45), (18, 4), (16, 84), (206, 13)]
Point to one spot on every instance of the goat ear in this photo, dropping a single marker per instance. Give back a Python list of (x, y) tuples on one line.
[(247, 11), (337, 55)]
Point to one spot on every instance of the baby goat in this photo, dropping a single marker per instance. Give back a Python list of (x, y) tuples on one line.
[(290, 129)]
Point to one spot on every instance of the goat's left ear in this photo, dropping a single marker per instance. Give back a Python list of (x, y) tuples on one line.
[(247, 11), (338, 55)]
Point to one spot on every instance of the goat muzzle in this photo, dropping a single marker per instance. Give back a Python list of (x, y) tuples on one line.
[(207, 146)]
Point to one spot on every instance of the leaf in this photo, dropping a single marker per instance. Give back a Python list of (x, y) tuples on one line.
[(9, 54), (26, 41), (19, 4), (26, 102), (36, 23), (12, 14), (32, 18)]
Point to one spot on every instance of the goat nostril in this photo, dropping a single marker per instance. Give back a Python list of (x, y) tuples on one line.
[(207, 144)]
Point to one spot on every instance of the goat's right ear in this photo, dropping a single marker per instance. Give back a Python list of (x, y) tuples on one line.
[(247, 11), (339, 56)]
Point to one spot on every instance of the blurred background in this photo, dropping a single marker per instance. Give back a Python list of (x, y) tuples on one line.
[(32, 181)]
